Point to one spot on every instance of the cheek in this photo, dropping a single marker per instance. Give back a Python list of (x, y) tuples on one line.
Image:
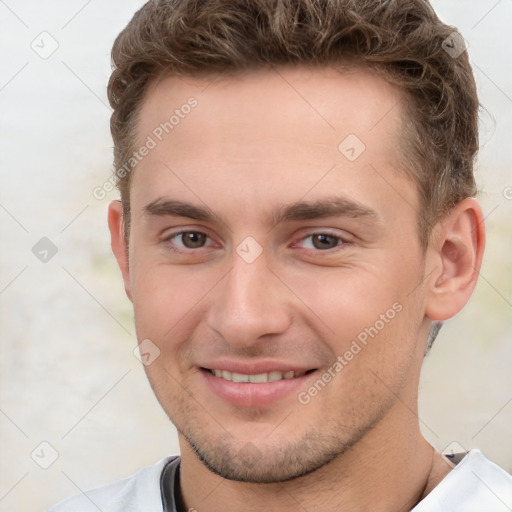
[(388, 344), (375, 364), (347, 300), (167, 300), (366, 314)]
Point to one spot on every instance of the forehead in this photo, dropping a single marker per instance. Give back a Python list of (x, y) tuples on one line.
[(269, 135), (320, 101)]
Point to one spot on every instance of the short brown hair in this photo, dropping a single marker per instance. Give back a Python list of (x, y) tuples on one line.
[(402, 40)]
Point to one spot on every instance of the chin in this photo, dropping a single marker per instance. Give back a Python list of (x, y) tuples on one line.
[(260, 464)]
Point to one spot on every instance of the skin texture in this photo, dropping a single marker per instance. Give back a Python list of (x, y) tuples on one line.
[(252, 146)]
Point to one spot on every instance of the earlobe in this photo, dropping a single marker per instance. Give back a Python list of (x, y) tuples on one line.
[(118, 242), (457, 251)]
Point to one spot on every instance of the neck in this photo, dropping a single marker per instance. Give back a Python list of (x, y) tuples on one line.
[(381, 472)]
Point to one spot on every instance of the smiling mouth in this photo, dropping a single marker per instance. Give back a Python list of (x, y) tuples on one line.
[(257, 378)]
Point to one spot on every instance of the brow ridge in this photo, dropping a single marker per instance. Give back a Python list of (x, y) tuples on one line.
[(302, 210)]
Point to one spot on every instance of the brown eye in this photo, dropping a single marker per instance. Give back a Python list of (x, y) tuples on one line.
[(193, 239), (323, 241)]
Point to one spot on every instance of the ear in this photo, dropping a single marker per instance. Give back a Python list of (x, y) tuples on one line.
[(118, 242), (455, 252)]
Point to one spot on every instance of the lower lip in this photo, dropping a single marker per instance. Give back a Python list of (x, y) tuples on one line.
[(251, 395)]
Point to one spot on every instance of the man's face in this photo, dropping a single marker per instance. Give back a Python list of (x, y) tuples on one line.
[(261, 252)]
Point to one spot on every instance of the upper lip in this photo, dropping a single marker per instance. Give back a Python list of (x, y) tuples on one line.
[(254, 367)]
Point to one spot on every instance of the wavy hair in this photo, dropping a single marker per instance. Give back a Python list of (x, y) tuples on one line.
[(402, 40)]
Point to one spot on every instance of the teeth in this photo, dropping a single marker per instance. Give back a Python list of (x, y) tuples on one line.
[(273, 376), (257, 378), (239, 377)]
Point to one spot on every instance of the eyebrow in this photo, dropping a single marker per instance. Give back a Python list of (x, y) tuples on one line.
[(328, 207), (172, 207), (302, 210)]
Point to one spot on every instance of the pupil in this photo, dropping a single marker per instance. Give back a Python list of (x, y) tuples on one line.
[(324, 241), (193, 240)]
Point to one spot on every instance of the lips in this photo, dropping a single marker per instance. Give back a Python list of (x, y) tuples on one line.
[(255, 385)]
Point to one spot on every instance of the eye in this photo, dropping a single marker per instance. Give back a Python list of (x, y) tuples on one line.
[(321, 241), (189, 239)]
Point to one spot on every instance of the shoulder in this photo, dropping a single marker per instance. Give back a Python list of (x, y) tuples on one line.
[(139, 492), (475, 484)]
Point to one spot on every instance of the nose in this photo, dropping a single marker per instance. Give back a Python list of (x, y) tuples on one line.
[(249, 304)]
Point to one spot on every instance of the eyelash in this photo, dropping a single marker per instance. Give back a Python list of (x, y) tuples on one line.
[(341, 241), (169, 239)]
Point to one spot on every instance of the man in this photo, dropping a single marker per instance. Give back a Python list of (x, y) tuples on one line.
[(296, 217)]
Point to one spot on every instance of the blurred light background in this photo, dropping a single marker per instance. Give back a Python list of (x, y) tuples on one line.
[(68, 376)]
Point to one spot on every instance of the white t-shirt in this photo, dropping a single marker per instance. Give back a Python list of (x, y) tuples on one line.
[(474, 485)]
